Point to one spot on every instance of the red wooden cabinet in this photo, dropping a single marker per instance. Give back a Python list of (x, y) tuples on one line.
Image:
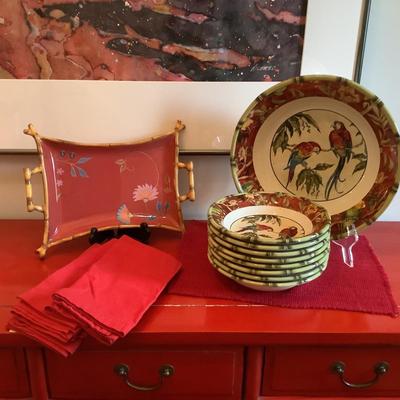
[(218, 349), (310, 370), (13, 374), (209, 373)]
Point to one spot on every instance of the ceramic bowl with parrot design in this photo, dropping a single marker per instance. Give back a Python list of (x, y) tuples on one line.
[(268, 218), (269, 251), (324, 138)]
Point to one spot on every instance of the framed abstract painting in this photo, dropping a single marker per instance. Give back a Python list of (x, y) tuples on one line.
[(202, 60)]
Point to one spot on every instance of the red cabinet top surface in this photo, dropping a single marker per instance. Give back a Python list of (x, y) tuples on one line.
[(180, 319)]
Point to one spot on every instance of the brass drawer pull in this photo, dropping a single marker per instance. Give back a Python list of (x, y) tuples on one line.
[(380, 369), (165, 371)]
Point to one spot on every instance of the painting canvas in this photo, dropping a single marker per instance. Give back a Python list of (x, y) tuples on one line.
[(152, 40)]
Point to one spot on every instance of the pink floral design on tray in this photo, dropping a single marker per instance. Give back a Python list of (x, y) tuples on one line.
[(124, 215), (145, 193)]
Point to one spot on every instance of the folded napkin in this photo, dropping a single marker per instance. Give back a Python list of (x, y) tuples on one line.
[(104, 293), (29, 316), (45, 323), (27, 328), (117, 289)]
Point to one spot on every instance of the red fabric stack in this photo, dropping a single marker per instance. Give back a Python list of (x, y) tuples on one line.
[(103, 293)]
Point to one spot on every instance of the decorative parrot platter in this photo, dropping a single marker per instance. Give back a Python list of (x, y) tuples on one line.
[(268, 218), (320, 137)]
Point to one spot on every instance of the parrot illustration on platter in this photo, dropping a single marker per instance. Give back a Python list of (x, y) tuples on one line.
[(341, 145), (299, 155)]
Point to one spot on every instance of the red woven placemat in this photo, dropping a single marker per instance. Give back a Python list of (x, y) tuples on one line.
[(364, 288)]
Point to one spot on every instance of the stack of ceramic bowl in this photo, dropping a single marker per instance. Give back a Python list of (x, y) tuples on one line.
[(268, 241)]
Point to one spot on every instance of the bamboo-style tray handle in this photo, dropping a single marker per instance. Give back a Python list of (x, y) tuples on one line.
[(190, 195), (28, 189)]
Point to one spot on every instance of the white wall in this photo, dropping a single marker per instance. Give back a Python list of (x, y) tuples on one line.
[(380, 72)]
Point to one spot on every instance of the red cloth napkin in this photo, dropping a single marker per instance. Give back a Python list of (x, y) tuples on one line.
[(104, 292), (117, 289), (363, 288), (30, 315), (28, 328)]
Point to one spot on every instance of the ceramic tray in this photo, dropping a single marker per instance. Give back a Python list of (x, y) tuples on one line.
[(324, 138), (270, 218), (107, 186)]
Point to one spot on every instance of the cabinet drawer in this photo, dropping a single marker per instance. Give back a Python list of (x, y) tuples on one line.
[(308, 370), (198, 373), (13, 374)]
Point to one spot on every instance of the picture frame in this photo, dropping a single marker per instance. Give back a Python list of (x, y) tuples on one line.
[(112, 111)]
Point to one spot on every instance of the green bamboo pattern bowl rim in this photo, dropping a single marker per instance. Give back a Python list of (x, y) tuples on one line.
[(294, 256), (260, 263), (261, 271), (269, 286), (272, 248), (259, 278)]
